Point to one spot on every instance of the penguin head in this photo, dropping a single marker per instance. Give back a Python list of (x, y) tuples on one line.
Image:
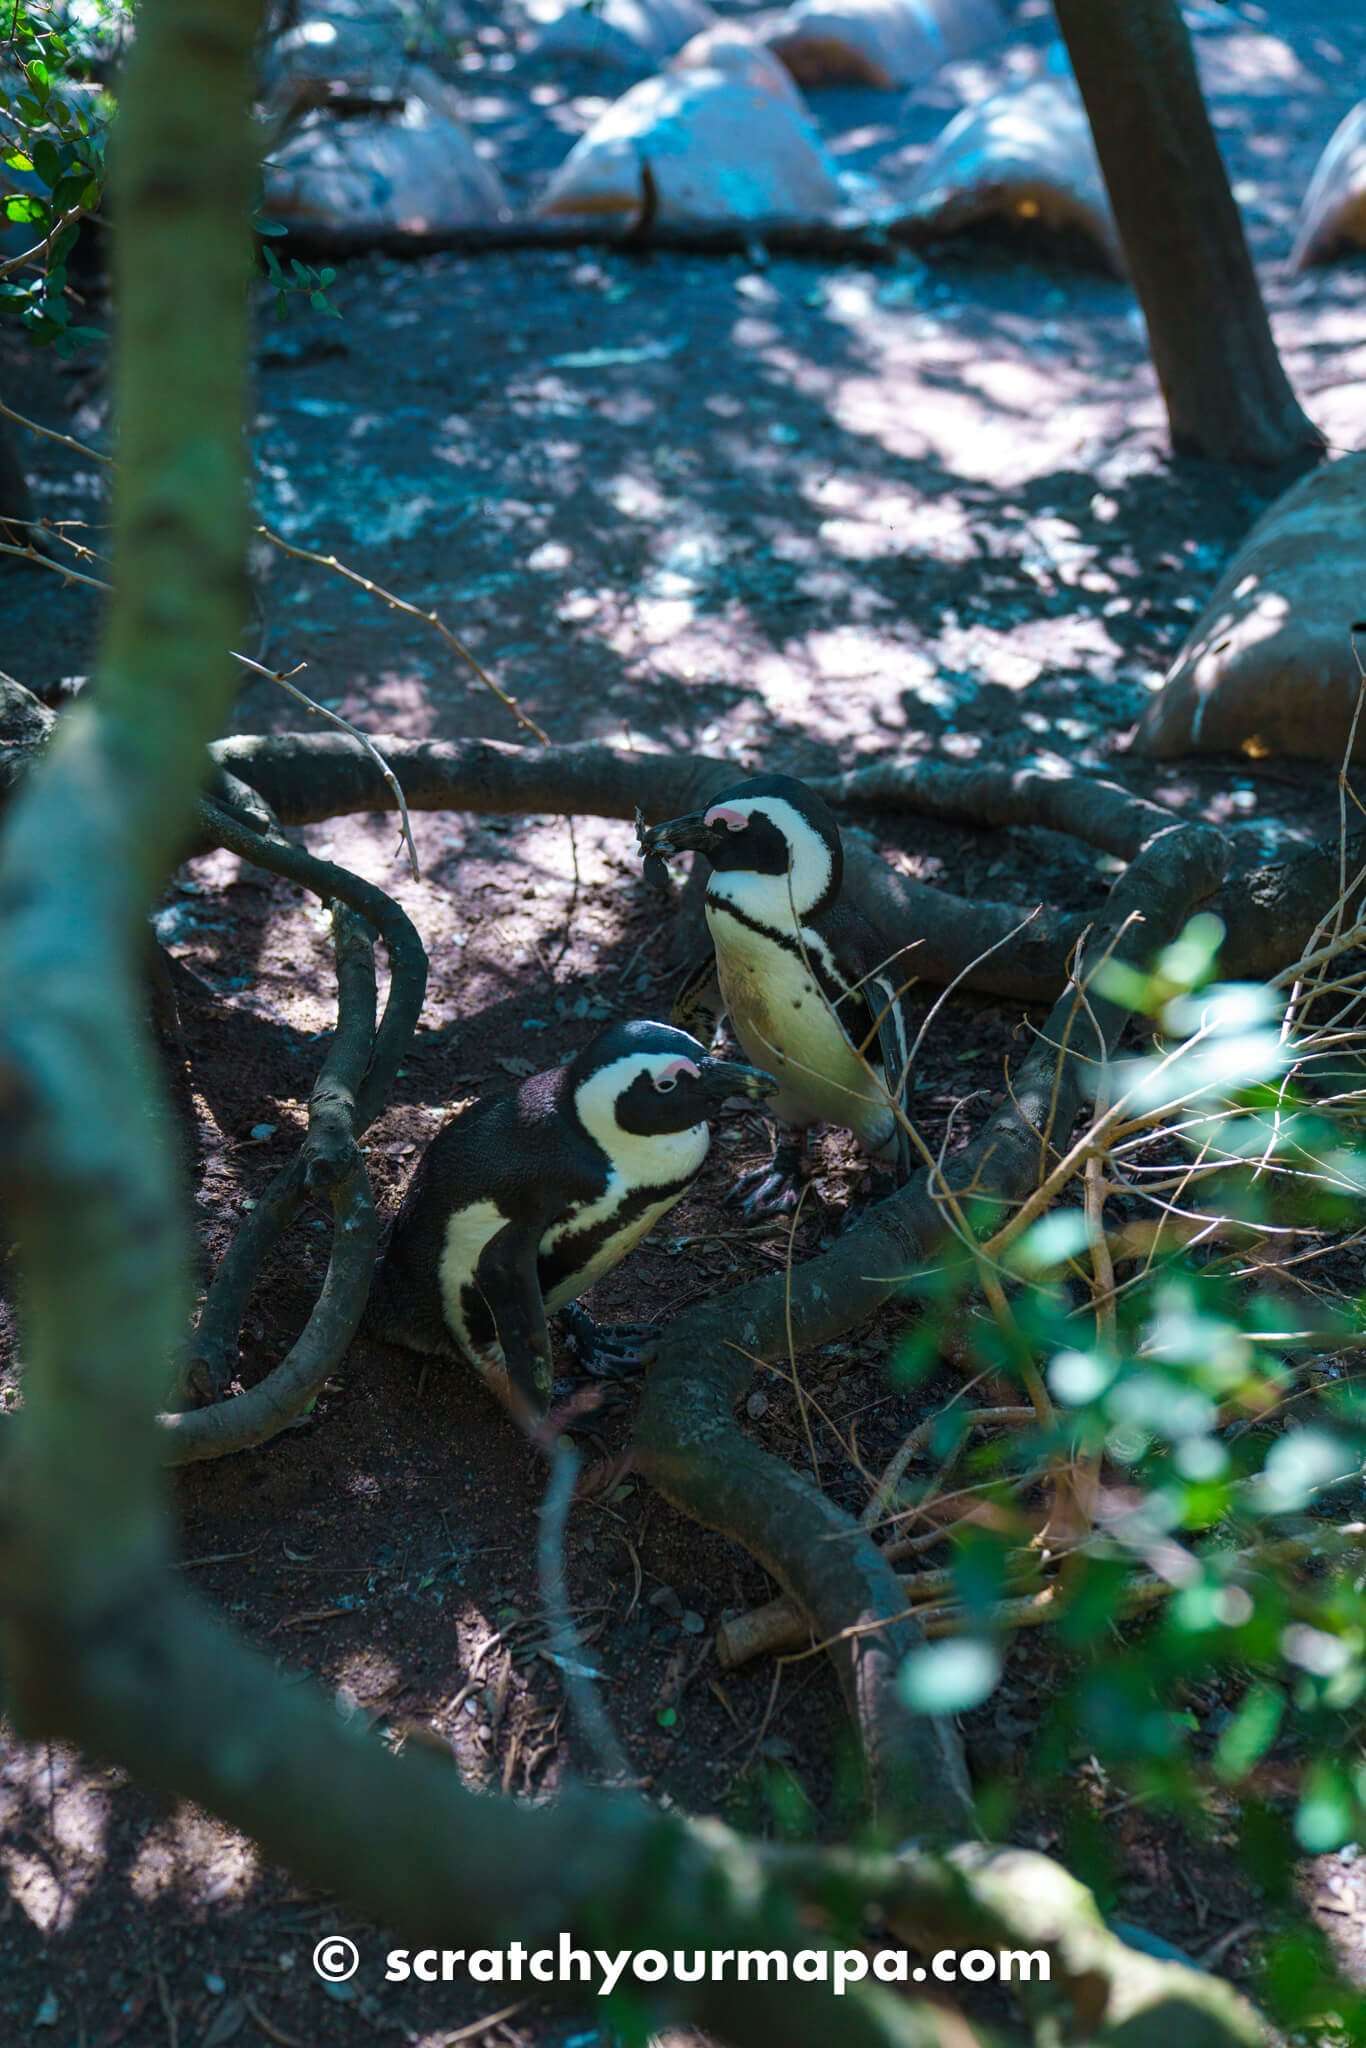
[(644, 1081), (772, 828)]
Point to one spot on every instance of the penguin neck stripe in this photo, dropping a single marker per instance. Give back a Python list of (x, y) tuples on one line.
[(787, 940)]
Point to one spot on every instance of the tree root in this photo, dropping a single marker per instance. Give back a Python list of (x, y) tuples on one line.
[(1269, 910), (841, 238), (351, 1089), (308, 777)]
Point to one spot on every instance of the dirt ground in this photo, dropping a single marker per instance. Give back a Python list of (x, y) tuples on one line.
[(796, 513)]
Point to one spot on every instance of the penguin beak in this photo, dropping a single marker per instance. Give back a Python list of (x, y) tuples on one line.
[(724, 1078), (681, 835)]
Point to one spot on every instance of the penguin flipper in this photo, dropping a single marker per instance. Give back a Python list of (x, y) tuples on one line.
[(699, 1007), (510, 1284)]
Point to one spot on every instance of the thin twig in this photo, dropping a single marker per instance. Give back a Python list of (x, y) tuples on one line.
[(285, 680), (566, 1650), (412, 611), (366, 583)]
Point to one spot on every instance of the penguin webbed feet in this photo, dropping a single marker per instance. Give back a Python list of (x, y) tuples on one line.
[(608, 1351), (775, 1189)]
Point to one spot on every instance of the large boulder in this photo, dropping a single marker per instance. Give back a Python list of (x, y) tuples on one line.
[(374, 161), (1332, 219), (1268, 667), (628, 34), (1023, 158), (717, 147), (883, 43)]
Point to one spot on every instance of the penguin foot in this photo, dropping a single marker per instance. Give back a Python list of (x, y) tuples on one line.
[(772, 1190), (608, 1352)]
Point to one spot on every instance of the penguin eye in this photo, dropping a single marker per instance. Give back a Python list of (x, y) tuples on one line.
[(736, 824), (665, 1084)]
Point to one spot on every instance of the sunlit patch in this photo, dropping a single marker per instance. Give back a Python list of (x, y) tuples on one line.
[(196, 1860), (53, 1818), (367, 1676), (550, 556)]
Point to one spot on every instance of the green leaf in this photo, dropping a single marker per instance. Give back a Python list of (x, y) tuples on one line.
[(47, 161), (1327, 1813)]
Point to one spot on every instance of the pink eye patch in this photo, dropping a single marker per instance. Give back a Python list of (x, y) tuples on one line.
[(725, 814), (677, 1068)]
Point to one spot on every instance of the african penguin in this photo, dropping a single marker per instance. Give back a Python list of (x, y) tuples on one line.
[(809, 988), (526, 1199)]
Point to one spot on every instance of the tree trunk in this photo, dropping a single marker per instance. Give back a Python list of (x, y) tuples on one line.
[(1226, 393)]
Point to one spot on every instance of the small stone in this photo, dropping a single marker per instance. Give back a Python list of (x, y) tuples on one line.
[(214, 1984), (46, 2015), (692, 1623), (756, 1405)]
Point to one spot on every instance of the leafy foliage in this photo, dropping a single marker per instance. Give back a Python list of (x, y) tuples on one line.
[(1187, 1302), (54, 119)]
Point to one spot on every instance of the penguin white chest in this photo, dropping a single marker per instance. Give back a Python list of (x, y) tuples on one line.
[(784, 1022), (468, 1230)]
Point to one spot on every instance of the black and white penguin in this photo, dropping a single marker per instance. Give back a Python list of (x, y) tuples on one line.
[(804, 978), (524, 1201)]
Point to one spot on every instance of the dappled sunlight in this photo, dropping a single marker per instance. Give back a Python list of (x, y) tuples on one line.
[(54, 1813), (194, 1860), (954, 428), (1245, 63)]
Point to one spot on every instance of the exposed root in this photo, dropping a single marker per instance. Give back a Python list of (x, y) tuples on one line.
[(352, 1088)]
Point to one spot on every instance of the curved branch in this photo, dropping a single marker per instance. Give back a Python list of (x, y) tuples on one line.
[(1269, 910), (351, 1089), (307, 777), (1103, 1991)]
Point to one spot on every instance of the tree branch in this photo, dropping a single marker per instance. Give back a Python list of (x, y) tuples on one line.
[(352, 1088)]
